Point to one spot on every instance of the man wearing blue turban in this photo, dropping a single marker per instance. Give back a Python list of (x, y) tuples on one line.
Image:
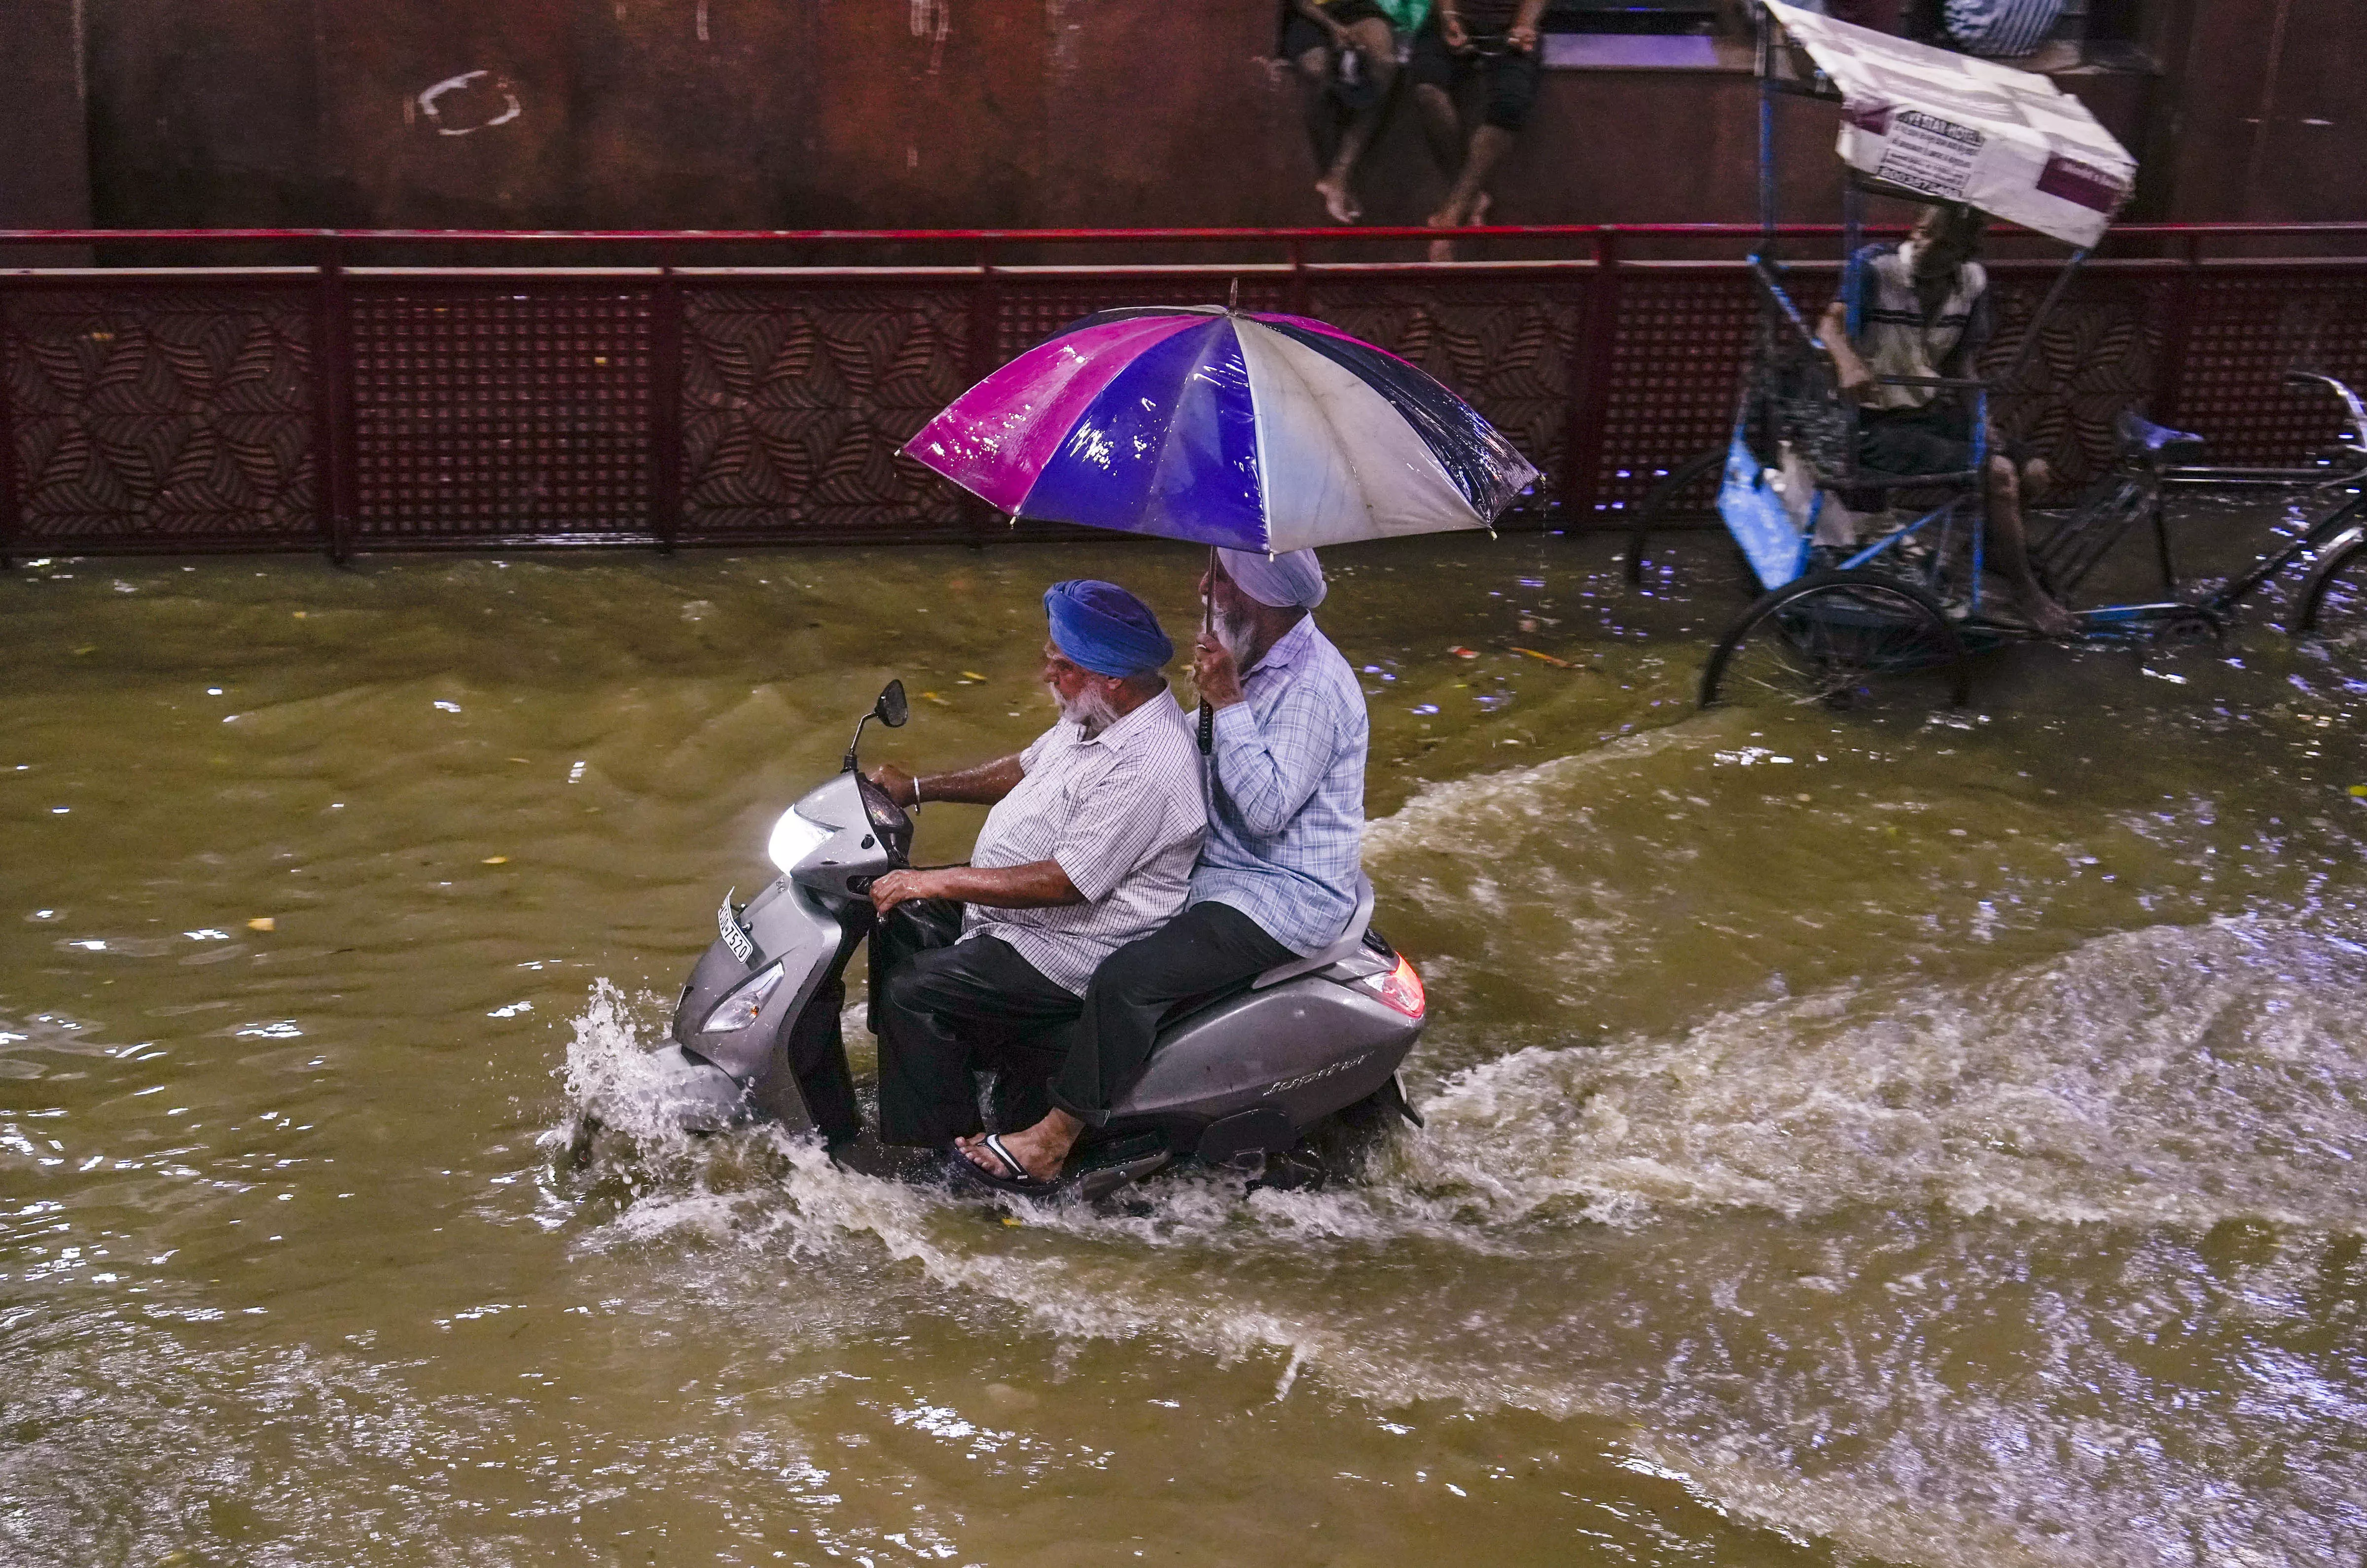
[(1278, 875), (1090, 844)]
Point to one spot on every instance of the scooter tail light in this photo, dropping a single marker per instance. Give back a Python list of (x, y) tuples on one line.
[(1401, 988)]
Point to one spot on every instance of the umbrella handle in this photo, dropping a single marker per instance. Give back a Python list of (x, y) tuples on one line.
[(1207, 623)]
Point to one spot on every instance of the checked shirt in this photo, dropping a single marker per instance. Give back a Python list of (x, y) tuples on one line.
[(1285, 794), (1119, 813)]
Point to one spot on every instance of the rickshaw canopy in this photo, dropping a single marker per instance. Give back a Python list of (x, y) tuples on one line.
[(1947, 126)]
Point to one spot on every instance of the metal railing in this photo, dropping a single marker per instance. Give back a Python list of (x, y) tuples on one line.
[(338, 393)]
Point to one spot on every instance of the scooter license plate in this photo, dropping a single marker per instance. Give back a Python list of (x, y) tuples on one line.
[(727, 925)]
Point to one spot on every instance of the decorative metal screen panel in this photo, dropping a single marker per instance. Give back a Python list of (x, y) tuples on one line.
[(1677, 354), (174, 416), (797, 399), (2248, 330), (2097, 354), (503, 409), (1504, 344), (182, 412)]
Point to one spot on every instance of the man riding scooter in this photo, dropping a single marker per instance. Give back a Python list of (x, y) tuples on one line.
[(1090, 844), (1276, 879)]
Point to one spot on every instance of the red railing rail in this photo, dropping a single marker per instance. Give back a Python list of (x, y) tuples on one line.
[(498, 402), (695, 237)]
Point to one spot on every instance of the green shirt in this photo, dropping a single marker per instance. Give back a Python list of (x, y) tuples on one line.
[(1403, 15)]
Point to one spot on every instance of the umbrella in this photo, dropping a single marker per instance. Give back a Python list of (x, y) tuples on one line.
[(1254, 432)]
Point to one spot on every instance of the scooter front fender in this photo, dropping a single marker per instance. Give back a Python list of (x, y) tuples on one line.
[(697, 1096)]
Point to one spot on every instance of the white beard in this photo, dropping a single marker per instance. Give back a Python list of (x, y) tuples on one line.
[(1234, 631), (1089, 708)]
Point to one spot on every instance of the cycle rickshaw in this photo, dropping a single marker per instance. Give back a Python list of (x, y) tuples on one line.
[(1843, 615)]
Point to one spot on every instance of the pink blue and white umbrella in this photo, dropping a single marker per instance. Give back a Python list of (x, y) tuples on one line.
[(1254, 432)]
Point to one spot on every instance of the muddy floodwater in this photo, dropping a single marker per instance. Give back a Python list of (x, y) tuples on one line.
[(1929, 1140)]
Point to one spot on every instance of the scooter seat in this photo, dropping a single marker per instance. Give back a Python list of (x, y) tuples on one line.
[(1351, 938), (2141, 434)]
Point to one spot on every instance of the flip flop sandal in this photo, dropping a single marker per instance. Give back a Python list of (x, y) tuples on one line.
[(1018, 1180)]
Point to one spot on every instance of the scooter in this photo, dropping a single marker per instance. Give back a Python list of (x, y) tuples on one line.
[(1273, 1079)]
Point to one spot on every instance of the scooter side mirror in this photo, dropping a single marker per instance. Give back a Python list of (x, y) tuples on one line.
[(890, 709)]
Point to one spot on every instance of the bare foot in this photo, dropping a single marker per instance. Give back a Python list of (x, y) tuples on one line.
[(1041, 1150), (1338, 199), (2038, 479), (2047, 616), (1479, 206), (1442, 250)]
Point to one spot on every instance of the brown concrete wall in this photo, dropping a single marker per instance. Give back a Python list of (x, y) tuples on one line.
[(45, 172), (2263, 122), (931, 113)]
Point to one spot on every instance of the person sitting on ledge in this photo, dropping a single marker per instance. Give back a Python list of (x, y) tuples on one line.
[(1346, 55), (1494, 40)]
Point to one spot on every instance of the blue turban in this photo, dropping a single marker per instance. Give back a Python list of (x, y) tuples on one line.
[(1104, 629)]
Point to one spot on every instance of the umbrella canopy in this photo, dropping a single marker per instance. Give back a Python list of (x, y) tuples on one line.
[(1254, 432)]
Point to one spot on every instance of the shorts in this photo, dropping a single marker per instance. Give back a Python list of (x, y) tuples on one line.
[(1511, 76), (1935, 439), (1299, 35)]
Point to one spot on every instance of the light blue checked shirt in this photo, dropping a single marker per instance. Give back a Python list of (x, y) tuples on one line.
[(1285, 794)]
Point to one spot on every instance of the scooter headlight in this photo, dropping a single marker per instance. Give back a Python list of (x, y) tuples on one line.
[(796, 837), (744, 1005)]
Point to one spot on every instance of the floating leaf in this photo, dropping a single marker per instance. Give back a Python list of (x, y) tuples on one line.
[(262, 923)]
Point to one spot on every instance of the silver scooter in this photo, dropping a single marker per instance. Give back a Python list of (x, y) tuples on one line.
[(1274, 1078)]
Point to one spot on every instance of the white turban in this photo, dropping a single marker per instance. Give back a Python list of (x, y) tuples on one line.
[(1293, 580)]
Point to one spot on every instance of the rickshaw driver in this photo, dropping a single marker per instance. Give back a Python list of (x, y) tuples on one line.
[(1925, 311)]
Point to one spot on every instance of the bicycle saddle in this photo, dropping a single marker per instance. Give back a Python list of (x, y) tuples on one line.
[(2140, 435)]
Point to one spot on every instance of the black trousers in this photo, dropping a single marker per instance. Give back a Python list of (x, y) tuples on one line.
[(944, 1010), (1208, 950)]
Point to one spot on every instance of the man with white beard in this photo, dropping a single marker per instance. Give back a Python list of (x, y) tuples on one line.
[(1276, 878), (1090, 844)]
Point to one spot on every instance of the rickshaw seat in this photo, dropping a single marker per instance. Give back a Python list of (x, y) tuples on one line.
[(2141, 437)]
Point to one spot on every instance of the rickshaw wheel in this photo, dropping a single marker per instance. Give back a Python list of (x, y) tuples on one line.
[(2193, 627), (2334, 600), (1839, 640)]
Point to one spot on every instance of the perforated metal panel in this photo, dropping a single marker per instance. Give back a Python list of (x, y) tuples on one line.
[(1503, 343), (796, 400), (2097, 354), (182, 412), (173, 415), (511, 410), (1676, 363), (2248, 330)]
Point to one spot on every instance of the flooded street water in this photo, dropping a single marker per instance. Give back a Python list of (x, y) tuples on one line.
[(1927, 1140)]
